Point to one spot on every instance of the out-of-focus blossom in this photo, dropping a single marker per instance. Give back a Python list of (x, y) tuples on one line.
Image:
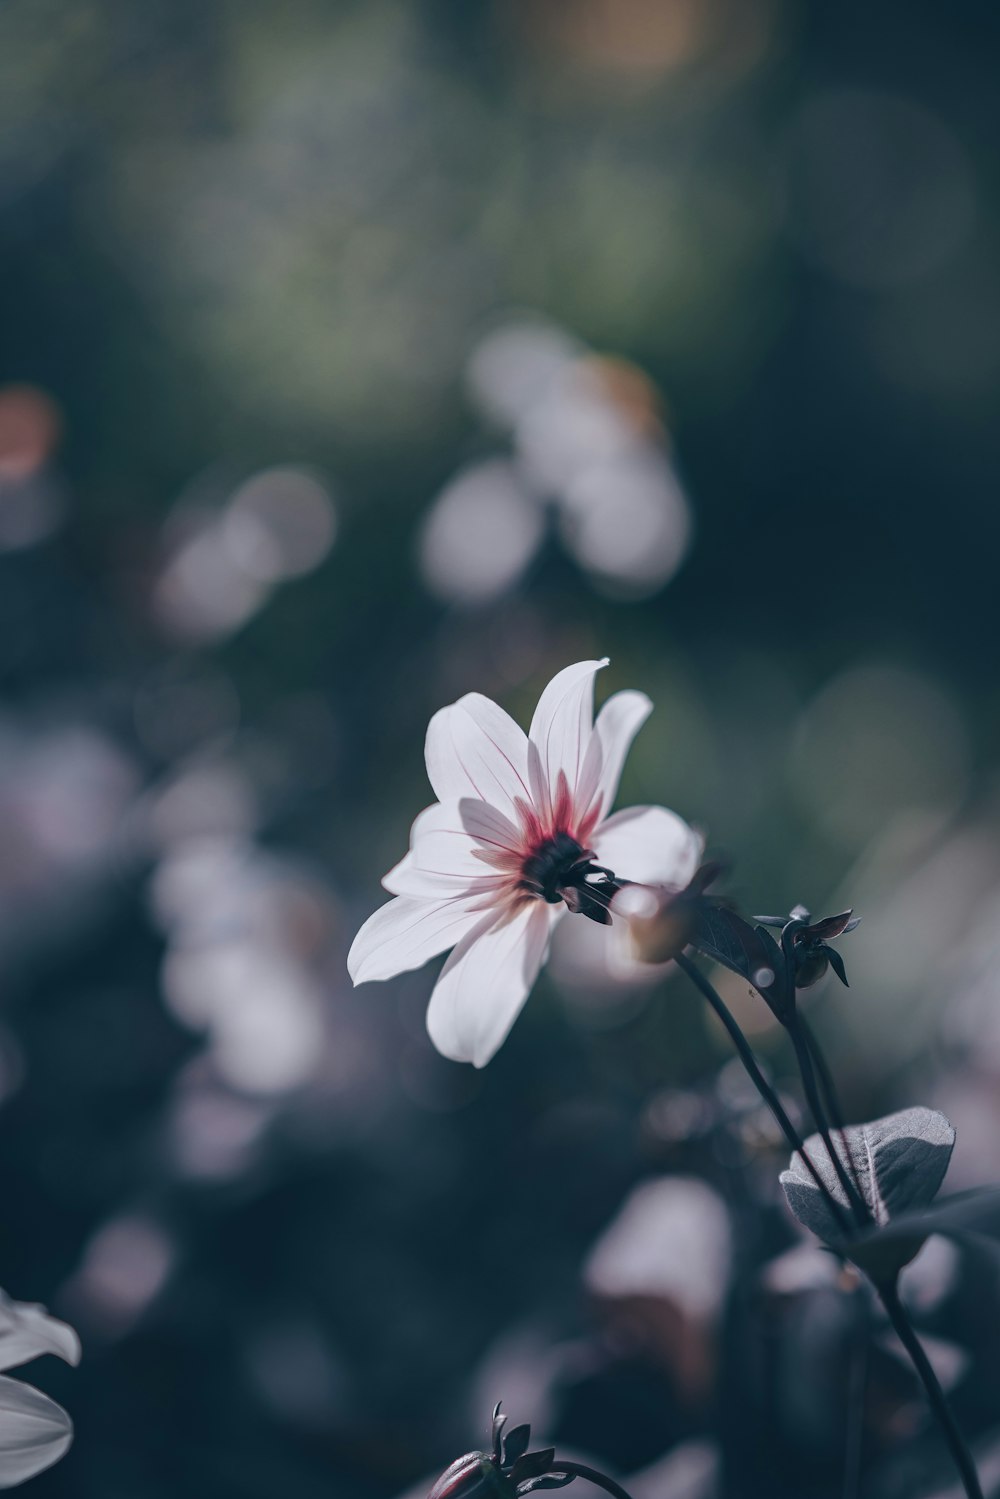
[(644, 39), (65, 792), (661, 1271), (35, 1432), (670, 1240), (31, 500), (481, 534), (29, 430), (587, 447), (125, 1266), (222, 563), (242, 926), (520, 834), (280, 524)]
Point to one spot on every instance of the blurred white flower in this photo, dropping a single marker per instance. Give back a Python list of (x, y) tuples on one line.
[(671, 1240), (35, 1432), (587, 451), (519, 834), (222, 562)]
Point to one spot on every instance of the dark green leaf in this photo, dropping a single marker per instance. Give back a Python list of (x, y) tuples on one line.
[(750, 951), (837, 964), (516, 1443)]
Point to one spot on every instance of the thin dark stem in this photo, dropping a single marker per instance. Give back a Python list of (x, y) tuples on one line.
[(858, 1379), (826, 1082), (580, 1470), (759, 1081), (831, 1098), (956, 1442), (804, 1058)]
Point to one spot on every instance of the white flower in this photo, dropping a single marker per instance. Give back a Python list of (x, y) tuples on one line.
[(519, 833), (35, 1432)]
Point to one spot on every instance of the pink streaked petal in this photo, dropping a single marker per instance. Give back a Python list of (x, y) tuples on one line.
[(485, 982), (617, 724), (406, 932), (408, 878), (441, 844), (560, 732), (488, 826), (649, 846), (476, 750), (441, 860)]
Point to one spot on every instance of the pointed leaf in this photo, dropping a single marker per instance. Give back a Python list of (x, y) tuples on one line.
[(533, 1464), (837, 964), (516, 1444), (496, 1431)]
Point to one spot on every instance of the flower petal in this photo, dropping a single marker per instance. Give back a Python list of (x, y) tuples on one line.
[(443, 858), (406, 932), (489, 827), (649, 846), (27, 1330), (617, 724), (407, 878), (474, 749), (34, 1432), (485, 982), (560, 732)]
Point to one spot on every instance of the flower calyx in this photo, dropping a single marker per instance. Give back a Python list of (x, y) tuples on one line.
[(806, 943), (508, 1469), (662, 921)]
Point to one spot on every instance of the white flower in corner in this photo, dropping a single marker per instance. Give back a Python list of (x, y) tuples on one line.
[(519, 835), (34, 1431)]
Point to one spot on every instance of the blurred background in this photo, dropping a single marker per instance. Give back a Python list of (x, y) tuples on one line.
[(358, 355)]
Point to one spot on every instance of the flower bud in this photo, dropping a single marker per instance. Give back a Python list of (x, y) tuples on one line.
[(474, 1476)]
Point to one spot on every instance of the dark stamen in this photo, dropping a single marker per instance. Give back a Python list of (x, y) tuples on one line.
[(544, 871), (561, 869)]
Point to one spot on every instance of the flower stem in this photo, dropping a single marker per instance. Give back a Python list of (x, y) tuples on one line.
[(580, 1470), (857, 1382), (804, 1057), (903, 1327), (759, 1081), (831, 1100)]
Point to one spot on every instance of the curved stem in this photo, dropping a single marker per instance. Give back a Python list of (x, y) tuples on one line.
[(580, 1470), (804, 1058), (903, 1327), (759, 1081), (831, 1099)]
